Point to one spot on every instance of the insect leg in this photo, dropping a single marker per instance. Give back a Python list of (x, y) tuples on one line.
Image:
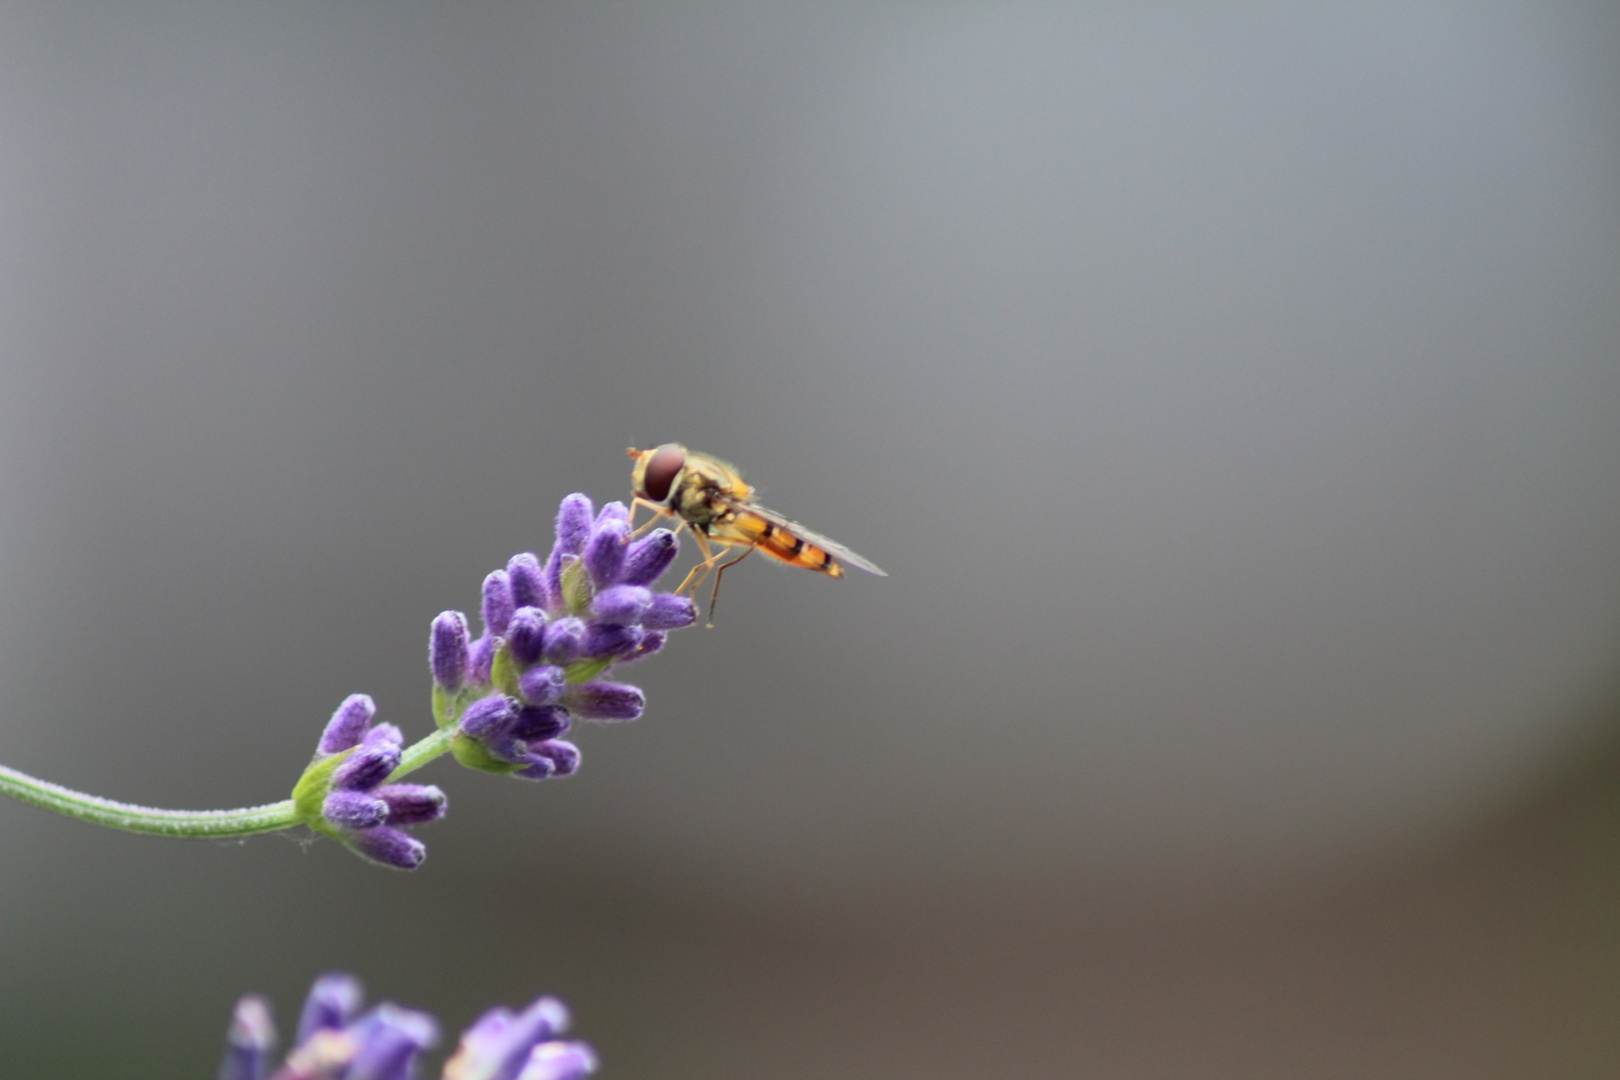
[(714, 595), (637, 503), (695, 575)]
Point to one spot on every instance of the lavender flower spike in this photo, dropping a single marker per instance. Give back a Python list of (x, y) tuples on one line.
[(342, 793), (551, 634), (386, 1042)]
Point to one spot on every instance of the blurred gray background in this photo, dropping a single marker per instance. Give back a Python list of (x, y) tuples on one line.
[(1232, 392)]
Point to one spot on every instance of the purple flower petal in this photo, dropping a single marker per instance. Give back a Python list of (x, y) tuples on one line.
[(447, 651), (348, 724), (248, 1043), (564, 756), (387, 846), (651, 642), (499, 1045), (526, 636), (412, 804), (560, 1060), (565, 640), (605, 701), (613, 511), (649, 557), (387, 1040), (669, 612), (333, 1002), (552, 576), (354, 809), (542, 684), (528, 583), (369, 765), (497, 602), (538, 768), (606, 639), (622, 604), (540, 722), (480, 660), (489, 717), (604, 552), (574, 524)]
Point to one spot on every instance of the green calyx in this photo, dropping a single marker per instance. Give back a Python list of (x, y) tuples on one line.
[(309, 794), (576, 586), (471, 753)]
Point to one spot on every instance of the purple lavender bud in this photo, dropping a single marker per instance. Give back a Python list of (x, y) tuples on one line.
[(526, 636), (538, 768), (498, 603), (388, 846), (606, 639), (651, 642), (541, 684), (528, 582), (613, 511), (563, 755), (649, 557), (412, 804), (510, 750), (552, 575), (574, 523), (248, 1043), (387, 1040), (447, 651), (604, 701), (622, 604), (481, 660), (368, 766), (354, 810), (560, 1060), (604, 552), (565, 640), (348, 725), (669, 612), (540, 722), (333, 1001), (489, 717), (499, 1045)]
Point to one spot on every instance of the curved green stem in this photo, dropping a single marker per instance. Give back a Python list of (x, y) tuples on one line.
[(146, 819), (246, 821), (423, 751)]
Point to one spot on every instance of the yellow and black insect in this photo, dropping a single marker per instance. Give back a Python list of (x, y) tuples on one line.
[(712, 499)]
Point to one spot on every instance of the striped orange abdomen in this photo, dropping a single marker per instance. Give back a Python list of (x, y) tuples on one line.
[(777, 542)]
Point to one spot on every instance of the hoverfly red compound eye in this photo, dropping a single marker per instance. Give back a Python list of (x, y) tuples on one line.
[(666, 462)]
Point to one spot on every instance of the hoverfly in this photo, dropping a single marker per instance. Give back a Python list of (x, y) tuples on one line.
[(712, 499)]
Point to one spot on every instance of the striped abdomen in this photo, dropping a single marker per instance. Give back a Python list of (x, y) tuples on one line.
[(776, 540)]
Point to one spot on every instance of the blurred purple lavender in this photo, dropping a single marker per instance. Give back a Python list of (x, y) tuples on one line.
[(338, 1042)]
